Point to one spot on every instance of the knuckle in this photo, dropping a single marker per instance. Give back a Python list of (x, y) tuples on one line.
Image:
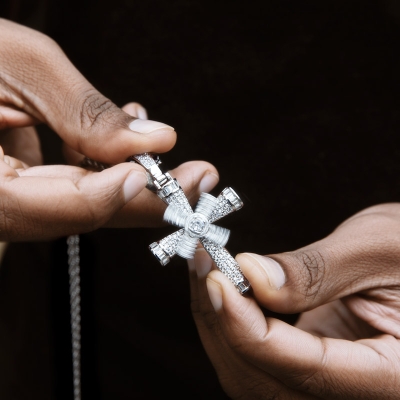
[(385, 209), (376, 219), (96, 208), (96, 110), (210, 321), (313, 267), (236, 345), (314, 380), (39, 44), (239, 341)]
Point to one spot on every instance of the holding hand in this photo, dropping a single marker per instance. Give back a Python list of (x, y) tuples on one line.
[(346, 343), (38, 84)]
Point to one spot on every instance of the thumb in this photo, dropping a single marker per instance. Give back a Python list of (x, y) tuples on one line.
[(360, 254), (48, 87), (101, 131)]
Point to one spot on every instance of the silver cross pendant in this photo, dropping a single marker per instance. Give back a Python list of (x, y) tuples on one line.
[(196, 226)]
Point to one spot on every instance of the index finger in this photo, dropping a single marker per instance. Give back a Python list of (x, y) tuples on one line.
[(44, 207)]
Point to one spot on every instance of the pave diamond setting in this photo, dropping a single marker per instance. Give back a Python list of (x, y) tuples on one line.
[(195, 226)]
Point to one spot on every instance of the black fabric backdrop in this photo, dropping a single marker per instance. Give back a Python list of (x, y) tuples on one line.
[(295, 102)]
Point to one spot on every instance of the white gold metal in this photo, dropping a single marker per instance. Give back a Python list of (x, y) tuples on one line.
[(196, 226), (228, 202)]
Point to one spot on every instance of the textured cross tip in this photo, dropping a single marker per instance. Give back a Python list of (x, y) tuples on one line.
[(243, 287), (233, 198), (159, 253)]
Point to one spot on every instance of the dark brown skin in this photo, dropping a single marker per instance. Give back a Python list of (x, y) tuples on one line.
[(346, 344), (38, 84)]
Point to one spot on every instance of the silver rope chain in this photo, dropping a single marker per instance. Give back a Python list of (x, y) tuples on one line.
[(75, 304), (75, 293)]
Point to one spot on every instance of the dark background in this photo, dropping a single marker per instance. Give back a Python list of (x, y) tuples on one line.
[(297, 105)]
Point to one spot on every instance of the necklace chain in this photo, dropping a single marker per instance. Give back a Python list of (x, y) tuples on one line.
[(75, 309)]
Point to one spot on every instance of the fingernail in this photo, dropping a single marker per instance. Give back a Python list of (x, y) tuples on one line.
[(208, 182), (202, 262), (147, 126), (274, 271), (215, 294), (142, 113), (134, 184)]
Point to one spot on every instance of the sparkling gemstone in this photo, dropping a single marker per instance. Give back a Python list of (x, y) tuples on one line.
[(197, 225)]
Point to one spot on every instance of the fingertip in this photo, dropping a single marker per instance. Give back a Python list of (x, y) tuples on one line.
[(215, 294), (263, 269), (116, 146), (126, 143), (134, 183), (267, 280), (202, 263), (135, 110), (253, 271), (209, 180), (162, 140), (148, 127), (190, 176), (142, 113), (14, 162), (159, 137), (241, 318), (228, 291)]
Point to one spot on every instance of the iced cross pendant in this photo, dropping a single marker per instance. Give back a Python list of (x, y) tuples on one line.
[(195, 226)]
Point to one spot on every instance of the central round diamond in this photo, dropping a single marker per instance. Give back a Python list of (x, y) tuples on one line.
[(197, 225)]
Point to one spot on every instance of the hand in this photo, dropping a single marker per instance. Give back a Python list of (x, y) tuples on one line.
[(146, 210), (58, 200), (39, 84), (346, 342)]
